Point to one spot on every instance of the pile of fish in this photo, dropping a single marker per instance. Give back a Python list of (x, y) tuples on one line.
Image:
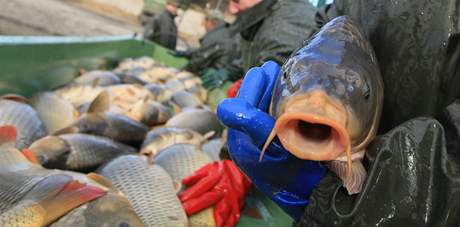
[(108, 149)]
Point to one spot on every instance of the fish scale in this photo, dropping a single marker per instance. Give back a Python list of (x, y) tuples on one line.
[(25, 119), (180, 161), (27, 213), (79, 95), (88, 150), (149, 189), (17, 187), (110, 210), (328, 101)]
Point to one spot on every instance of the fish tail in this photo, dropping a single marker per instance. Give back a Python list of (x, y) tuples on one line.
[(352, 180), (270, 138), (65, 199)]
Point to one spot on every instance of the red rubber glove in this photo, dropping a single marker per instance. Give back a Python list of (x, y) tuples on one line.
[(220, 184), (232, 91)]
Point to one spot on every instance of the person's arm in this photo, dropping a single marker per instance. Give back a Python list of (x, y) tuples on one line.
[(413, 180)]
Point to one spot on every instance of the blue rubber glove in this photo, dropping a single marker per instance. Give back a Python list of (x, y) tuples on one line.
[(287, 180)]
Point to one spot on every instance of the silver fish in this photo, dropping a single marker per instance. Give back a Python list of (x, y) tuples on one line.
[(97, 77), (26, 120), (328, 101), (185, 99), (199, 91), (161, 138), (130, 76), (160, 92), (79, 95), (174, 85), (149, 189), (142, 62), (133, 101), (114, 126), (158, 74), (199, 120), (80, 152)]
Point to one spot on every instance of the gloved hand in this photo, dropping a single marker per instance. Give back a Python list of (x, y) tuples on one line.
[(287, 180), (213, 78), (220, 183)]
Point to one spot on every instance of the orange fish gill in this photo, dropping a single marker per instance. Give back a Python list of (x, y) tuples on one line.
[(328, 100)]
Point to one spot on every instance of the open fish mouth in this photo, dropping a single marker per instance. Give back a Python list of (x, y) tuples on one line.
[(312, 137), (313, 127)]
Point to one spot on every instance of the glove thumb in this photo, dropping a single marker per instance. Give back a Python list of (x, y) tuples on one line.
[(238, 114)]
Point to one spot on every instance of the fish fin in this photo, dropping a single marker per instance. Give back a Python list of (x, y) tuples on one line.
[(100, 104), (8, 135), (353, 180), (102, 181), (67, 130), (209, 135), (71, 195), (177, 186), (270, 138), (16, 98), (95, 82), (151, 158), (29, 154), (176, 108), (13, 160)]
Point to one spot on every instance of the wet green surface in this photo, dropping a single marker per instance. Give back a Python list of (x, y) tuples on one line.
[(32, 64)]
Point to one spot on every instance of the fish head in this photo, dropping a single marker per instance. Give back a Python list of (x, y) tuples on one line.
[(329, 94), (152, 112), (112, 210), (92, 123), (51, 151)]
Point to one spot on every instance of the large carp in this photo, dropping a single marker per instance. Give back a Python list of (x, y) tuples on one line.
[(328, 100)]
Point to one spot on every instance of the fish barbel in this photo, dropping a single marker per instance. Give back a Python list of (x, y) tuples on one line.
[(328, 99)]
